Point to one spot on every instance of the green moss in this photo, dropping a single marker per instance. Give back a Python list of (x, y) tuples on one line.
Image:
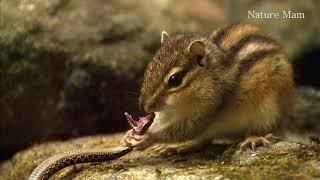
[(29, 82)]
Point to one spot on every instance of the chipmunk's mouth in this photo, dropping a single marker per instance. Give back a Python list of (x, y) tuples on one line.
[(150, 116), (143, 124)]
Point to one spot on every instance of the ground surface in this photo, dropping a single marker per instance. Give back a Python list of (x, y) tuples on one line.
[(283, 160)]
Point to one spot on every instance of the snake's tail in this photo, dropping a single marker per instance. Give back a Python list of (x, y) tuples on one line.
[(55, 163), (131, 121)]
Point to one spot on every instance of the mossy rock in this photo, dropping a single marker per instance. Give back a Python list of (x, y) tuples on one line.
[(297, 36), (283, 160), (69, 68)]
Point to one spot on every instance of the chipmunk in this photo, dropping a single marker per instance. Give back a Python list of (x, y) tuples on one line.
[(232, 83)]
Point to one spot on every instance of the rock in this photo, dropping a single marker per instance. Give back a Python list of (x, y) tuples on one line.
[(285, 160), (306, 111), (298, 36), (206, 12), (70, 68), (316, 170), (250, 157)]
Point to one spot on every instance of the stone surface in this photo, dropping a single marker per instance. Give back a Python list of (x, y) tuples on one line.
[(283, 160), (69, 68), (297, 35)]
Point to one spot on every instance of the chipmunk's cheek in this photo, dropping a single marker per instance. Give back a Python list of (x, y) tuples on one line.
[(173, 100), (169, 101), (179, 101), (158, 122)]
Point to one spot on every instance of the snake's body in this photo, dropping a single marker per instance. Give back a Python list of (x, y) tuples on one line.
[(55, 163)]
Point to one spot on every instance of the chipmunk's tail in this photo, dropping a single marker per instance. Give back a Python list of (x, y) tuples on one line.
[(55, 163)]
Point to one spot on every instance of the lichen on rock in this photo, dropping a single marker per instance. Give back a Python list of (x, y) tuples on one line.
[(282, 160)]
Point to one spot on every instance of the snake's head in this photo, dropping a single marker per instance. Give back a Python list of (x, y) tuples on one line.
[(142, 125)]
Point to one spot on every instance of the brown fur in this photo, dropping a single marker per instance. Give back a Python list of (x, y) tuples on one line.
[(245, 85)]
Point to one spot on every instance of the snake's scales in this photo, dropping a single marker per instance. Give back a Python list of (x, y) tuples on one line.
[(55, 163)]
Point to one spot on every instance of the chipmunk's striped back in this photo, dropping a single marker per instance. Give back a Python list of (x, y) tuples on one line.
[(244, 43), (263, 72)]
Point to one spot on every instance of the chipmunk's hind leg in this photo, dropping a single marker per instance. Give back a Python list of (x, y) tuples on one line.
[(255, 141)]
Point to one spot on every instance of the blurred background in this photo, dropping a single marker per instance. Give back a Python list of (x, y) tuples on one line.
[(71, 68)]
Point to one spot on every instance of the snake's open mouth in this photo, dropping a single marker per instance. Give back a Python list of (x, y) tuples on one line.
[(142, 125)]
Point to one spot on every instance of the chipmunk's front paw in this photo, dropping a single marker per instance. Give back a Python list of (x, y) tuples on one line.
[(136, 140), (137, 137), (256, 141)]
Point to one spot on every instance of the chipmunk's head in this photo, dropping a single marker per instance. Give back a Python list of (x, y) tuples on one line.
[(185, 75)]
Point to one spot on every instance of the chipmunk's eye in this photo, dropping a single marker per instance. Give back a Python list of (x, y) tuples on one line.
[(175, 80)]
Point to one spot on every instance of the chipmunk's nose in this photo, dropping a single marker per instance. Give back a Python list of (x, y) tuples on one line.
[(146, 107), (151, 107), (149, 104), (141, 105)]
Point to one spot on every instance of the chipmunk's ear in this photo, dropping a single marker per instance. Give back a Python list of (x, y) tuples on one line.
[(198, 49), (164, 37)]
